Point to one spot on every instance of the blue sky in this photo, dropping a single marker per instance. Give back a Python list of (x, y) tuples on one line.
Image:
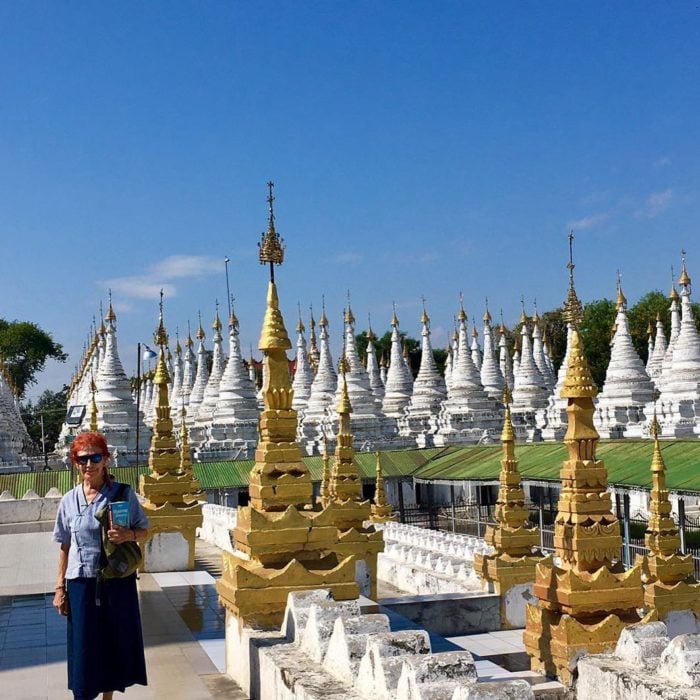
[(418, 148)]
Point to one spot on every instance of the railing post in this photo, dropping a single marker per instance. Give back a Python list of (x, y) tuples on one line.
[(402, 509), (429, 490), (626, 529), (540, 509), (618, 506), (454, 508), (681, 523), (478, 511)]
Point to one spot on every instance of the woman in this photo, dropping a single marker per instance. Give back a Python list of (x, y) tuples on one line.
[(105, 642)]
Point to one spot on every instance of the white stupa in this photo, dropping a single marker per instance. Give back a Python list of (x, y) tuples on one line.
[(399, 383), (490, 371), (419, 423), (233, 432), (310, 432), (303, 373), (200, 380), (627, 388), (373, 371), (657, 357), (116, 410), (468, 415)]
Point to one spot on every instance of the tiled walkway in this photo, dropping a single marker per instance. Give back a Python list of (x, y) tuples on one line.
[(182, 621)]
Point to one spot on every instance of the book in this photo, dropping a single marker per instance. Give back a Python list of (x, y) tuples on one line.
[(119, 514)]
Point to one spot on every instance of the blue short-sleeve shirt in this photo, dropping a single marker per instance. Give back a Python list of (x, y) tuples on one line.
[(76, 524)]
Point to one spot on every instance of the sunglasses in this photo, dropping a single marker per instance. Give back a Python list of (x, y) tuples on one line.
[(84, 459)]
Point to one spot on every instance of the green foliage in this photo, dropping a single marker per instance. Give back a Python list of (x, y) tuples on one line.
[(596, 333), (382, 347), (644, 311), (25, 348), (52, 405)]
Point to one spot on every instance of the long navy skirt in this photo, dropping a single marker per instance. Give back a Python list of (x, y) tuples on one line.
[(105, 641)]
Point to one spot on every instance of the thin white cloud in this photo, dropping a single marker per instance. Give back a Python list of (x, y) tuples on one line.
[(588, 221), (656, 203), (159, 275), (662, 162), (179, 266), (348, 258)]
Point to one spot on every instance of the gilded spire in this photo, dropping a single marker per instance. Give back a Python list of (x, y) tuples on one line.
[(684, 279), (621, 300), (349, 318), (160, 336), (93, 406), (326, 479), (486, 318), (507, 434), (369, 334), (394, 317), (424, 318), (573, 309), (102, 330), (216, 325), (300, 323), (523, 315), (189, 342), (673, 294), (178, 347), (271, 246), (201, 335), (323, 321), (381, 509), (111, 317), (185, 454), (461, 315), (232, 319)]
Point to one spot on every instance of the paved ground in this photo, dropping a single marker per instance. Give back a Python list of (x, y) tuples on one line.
[(182, 621)]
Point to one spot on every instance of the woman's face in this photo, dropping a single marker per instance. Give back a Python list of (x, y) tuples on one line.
[(90, 461)]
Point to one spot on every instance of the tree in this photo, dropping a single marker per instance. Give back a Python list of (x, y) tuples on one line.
[(25, 348), (52, 405), (596, 333)]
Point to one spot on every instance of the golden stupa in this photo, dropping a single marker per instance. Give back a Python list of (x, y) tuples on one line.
[(282, 542), (668, 578), (515, 544), (171, 504), (586, 598)]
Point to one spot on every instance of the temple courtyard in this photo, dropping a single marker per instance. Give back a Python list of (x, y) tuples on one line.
[(183, 625)]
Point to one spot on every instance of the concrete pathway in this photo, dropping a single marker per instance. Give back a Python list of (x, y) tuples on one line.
[(182, 621)]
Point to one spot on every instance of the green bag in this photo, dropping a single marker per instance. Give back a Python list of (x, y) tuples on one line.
[(118, 560)]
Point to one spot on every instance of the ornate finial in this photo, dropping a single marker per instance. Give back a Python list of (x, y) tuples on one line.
[(394, 317), (673, 294), (684, 279), (424, 319), (475, 332), (160, 336), (486, 318), (178, 348), (201, 335), (271, 246), (111, 317), (300, 324), (523, 315), (370, 333), (189, 342), (344, 406), (461, 315), (349, 317), (102, 330), (232, 319), (535, 316), (502, 328), (573, 309), (621, 300), (217, 321), (323, 321), (655, 428)]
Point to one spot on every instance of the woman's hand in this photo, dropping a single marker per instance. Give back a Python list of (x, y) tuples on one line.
[(119, 534), (60, 601)]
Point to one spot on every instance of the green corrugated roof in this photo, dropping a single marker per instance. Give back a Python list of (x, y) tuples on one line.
[(627, 461)]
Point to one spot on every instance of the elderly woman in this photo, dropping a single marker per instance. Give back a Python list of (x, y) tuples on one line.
[(105, 642)]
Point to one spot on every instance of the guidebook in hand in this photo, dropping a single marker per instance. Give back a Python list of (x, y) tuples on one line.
[(119, 514)]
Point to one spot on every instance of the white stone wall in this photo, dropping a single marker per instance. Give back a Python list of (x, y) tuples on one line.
[(328, 650), (30, 508), (426, 562), (217, 524), (653, 661)]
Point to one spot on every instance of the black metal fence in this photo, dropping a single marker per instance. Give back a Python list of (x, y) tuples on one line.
[(473, 519)]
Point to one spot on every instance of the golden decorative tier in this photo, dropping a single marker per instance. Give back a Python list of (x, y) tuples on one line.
[(587, 598)]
